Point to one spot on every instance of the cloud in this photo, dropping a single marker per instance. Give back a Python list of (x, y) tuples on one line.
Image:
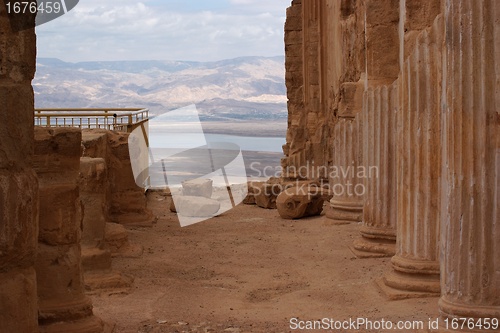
[(131, 30)]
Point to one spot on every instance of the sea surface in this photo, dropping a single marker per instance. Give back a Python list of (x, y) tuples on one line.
[(183, 156), (192, 140)]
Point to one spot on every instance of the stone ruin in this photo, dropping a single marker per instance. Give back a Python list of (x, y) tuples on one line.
[(409, 87), (60, 191)]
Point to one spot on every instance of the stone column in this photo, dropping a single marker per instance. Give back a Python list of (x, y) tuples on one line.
[(294, 79), (127, 201), (378, 233), (470, 228), (307, 79), (63, 307), (18, 182), (381, 68), (313, 101), (346, 206), (416, 263), (96, 255)]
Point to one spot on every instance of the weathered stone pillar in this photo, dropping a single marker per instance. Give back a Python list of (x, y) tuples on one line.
[(307, 77), (294, 78), (128, 204), (382, 41), (346, 205), (63, 307), (92, 183), (416, 263), (380, 207), (382, 54), (470, 242), (18, 182)]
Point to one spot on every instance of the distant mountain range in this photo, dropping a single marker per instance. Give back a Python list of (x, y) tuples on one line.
[(241, 89)]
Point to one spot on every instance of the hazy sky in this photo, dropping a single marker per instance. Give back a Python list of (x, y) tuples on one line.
[(199, 30)]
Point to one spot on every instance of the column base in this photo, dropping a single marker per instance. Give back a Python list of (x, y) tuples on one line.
[(344, 212), (18, 301), (94, 258), (450, 310), (87, 325), (143, 219), (412, 278), (375, 243), (397, 285), (373, 248), (107, 280), (59, 316)]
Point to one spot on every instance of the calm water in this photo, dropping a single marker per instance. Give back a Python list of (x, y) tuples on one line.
[(187, 140)]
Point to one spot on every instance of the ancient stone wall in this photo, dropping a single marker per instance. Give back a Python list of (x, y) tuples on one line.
[(126, 203), (18, 182)]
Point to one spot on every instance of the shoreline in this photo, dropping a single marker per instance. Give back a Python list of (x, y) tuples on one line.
[(253, 128)]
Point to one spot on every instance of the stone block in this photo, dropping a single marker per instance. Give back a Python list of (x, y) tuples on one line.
[(266, 193), (382, 12), (250, 198), (18, 301), (57, 153), (351, 99), (198, 187), (19, 218), (300, 201), (16, 140), (95, 143), (58, 273), (93, 189), (60, 214), (191, 206), (382, 56), (18, 50), (93, 175)]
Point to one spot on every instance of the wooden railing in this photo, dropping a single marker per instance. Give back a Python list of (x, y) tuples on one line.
[(115, 119)]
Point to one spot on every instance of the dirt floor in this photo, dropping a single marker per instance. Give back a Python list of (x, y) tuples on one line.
[(250, 271)]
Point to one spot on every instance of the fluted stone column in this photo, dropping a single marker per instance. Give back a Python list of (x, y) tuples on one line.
[(382, 51), (378, 233), (416, 263), (18, 182), (346, 205), (63, 307), (347, 85), (470, 246)]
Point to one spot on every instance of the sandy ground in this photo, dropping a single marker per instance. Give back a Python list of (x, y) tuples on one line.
[(249, 271)]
